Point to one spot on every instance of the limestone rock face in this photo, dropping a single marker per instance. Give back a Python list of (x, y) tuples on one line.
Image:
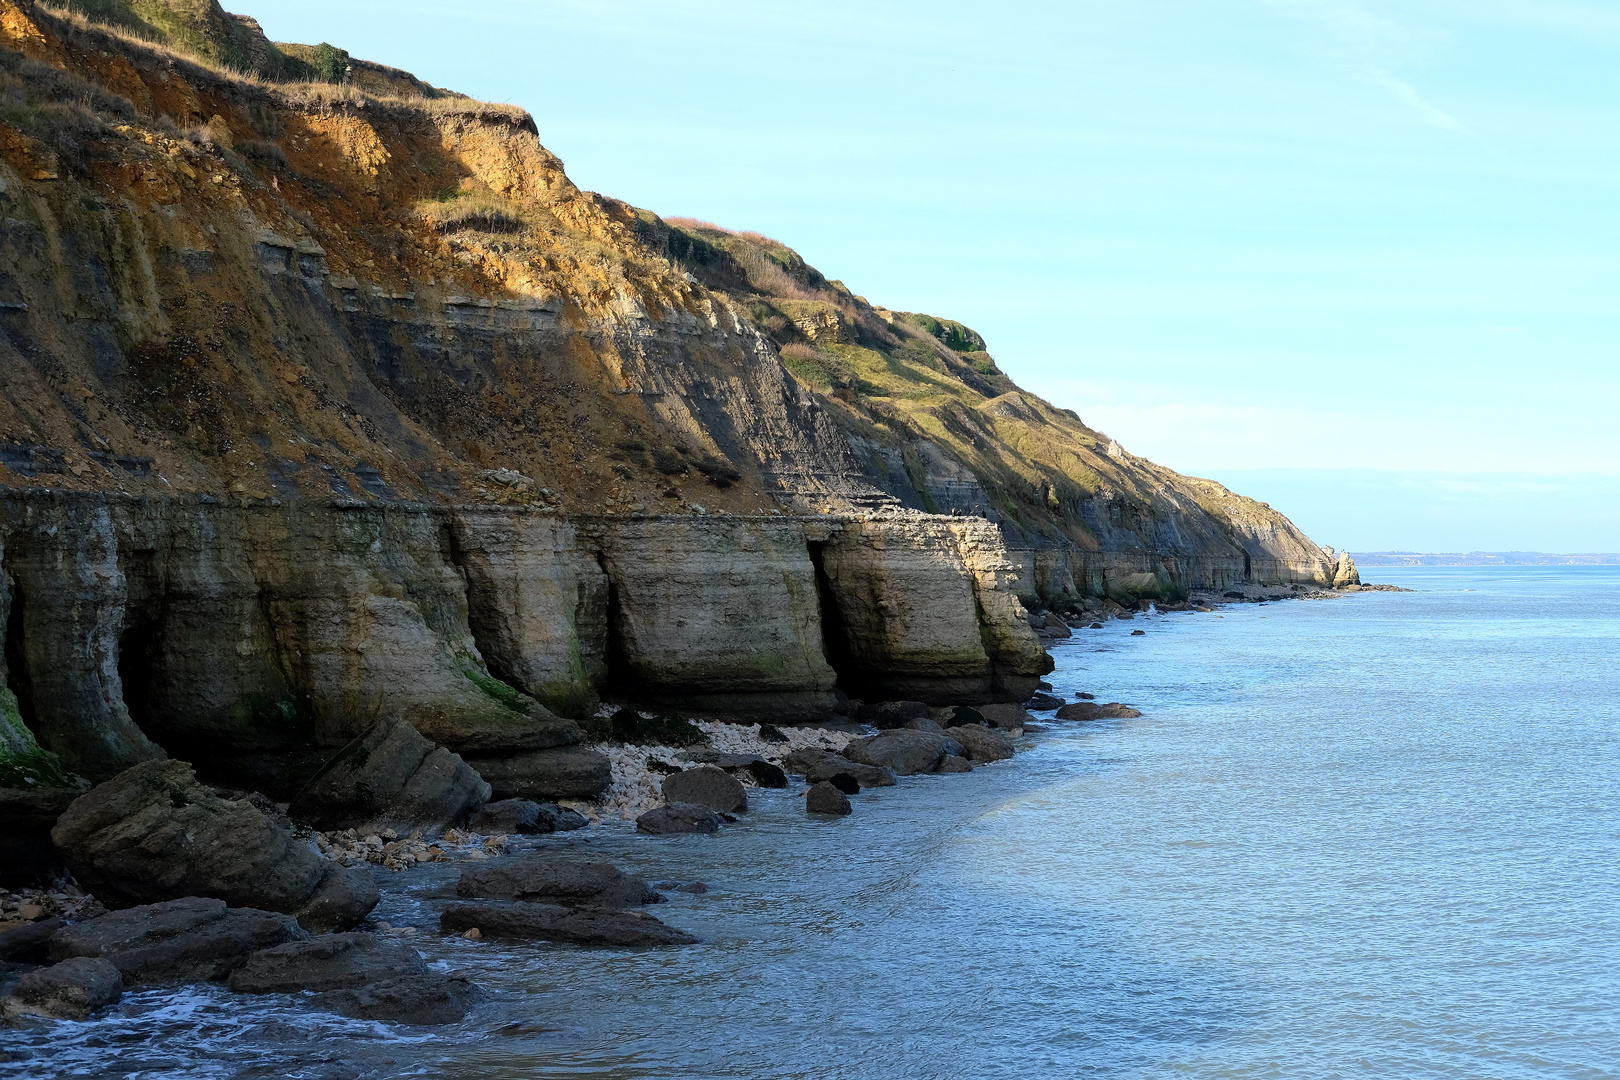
[(153, 833), (1345, 572), (568, 772)]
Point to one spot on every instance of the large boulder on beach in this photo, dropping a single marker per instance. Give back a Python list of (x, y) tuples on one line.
[(1091, 710), (391, 777), (566, 772), (550, 880), (886, 715), (328, 962), (818, 765), (905, 752), (153, 833), (424, 999), (679, 818), (193, 939), (824, 798), (526, 818), (345, 896), (1043, 702), (982, 743), (1009, 716), (552, 922), (762, 772), (707, 785), (72, 990)]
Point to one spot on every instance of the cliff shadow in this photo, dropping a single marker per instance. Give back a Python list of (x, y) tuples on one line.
[(834, 633)]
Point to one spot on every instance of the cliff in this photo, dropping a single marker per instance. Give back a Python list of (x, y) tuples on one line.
[(328, 400)]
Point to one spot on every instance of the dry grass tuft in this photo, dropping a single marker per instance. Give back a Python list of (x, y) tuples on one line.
[(478, 209)]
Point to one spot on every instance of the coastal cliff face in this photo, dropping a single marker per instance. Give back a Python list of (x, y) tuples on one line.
[(321, 405)]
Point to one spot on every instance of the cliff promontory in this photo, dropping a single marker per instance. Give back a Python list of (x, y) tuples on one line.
[(332, 400)]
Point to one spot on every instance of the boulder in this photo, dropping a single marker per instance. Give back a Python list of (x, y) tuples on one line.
[(772, 734), (551, 922), (194, 939), (1043, 703), (390, 777), (71, 990), (950, 763), (928, 724), (1052, 626), (844, 782), (905, 752), (1008, 716), (679, 818), (549, 880), (345, 896), (706, 785), (824, 798), (526, 817), (568, 772), (152, 833), (1090, 710), (886, 715), (956, 715), (26, 817), (982, 743), (425, 999), (818, 765), (29, 943), (763, 772), (1083, 696), (328, 962)]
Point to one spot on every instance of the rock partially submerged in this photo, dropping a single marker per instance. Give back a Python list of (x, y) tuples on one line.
[(72, 990), (679, 818), (549, 880), (818, 765), (982, 743), (824, 798), (425, 999), (328, 962), (905, 752), (193, 939), (391, 777), (526, 817), (29, 943), (1090, 710), (1008, 717), (707, 785), (552, 922)]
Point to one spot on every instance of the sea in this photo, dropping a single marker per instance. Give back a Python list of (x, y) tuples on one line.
[(1375, 836)]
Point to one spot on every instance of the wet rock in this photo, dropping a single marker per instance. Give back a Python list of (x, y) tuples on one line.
[(526, 817), (905, 752), (1052, 626), (950, 763), (328, 962), (1043, 703), (696, 888), (982, 743), (1138, 633), (1082, 696), (928, 724), (679, 818), (547, 879), (568, 772), (71, 990), (550, 922), (193, 939), (345, 896), (824, 798), (761, 771), (29, 944), (152, 833), (887, 715), (390, 777), (426, 999), (765, 774), (818, 765), (1008, 716), (844, 782), (707, 785), (1095, 626), (1089, 710), (772, 734)]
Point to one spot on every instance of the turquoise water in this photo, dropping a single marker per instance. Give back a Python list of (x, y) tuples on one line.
[(1370, 837)]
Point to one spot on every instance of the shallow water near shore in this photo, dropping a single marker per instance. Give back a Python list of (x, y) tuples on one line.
[(1368, 837)]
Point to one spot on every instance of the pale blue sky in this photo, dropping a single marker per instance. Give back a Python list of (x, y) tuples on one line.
[(1236, 235)]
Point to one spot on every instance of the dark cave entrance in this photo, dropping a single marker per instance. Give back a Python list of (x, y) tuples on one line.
[(834, 632), (17, 679)]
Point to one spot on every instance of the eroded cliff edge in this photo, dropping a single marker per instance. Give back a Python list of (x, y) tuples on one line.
[(321, 405)]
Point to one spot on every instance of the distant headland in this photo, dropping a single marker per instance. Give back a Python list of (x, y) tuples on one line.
[(1483, 558)]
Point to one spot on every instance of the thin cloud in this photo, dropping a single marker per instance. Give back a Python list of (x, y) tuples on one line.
[(1408, 95)]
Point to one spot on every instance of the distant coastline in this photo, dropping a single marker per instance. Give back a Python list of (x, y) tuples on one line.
[(1482, 558)]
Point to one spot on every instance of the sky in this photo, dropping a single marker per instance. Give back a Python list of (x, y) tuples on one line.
[(1358, 260)]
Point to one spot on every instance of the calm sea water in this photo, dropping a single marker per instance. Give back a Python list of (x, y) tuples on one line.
[(1371, 837)]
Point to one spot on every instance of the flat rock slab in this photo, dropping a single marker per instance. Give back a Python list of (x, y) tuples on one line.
[(818, 765), (526, 818), (548, 880), (823, 798), (906, 752), (550, 922), (567, 772), (707, 785), (328, 962), (424, 999), (982, 743), (193, 939), (679, 818), (1090, 710), (72, 990)]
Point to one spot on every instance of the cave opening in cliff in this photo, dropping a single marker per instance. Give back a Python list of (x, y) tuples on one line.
[(138, 657), (17, 680), (834, 634), (621, 685)]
